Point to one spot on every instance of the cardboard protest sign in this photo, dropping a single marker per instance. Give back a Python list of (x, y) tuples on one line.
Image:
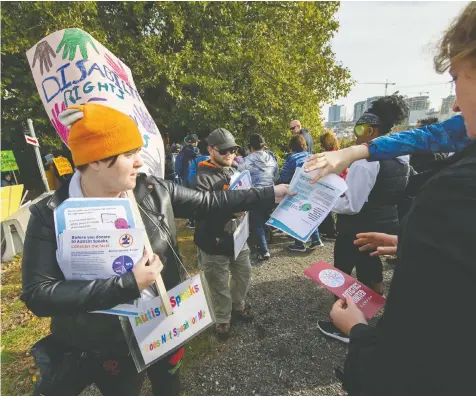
[(11, 198), (70, 67), (63, 166), (343, 286), (8, 161), (152, 334)]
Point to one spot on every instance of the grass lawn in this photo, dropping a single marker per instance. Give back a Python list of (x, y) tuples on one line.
[(21, 329)]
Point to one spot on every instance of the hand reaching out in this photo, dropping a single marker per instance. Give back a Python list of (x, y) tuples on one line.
[(335, 161), (117, 67), (75, 38), (42, 53), (63, 131), (381, 244)]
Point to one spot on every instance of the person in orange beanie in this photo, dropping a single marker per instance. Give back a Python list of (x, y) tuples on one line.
[(84, 347)]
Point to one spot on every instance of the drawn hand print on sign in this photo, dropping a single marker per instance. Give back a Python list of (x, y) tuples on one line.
[(117, 67), (152, 163), (75, 38), (145, 119), (146, 140), (43, 51), (62, 130)]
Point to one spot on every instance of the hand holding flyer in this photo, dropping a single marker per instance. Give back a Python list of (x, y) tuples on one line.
[(344, 286), (300, 215)]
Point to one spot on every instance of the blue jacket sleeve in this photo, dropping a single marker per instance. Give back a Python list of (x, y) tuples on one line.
[(287, 172), (445, 137), (192, 170)]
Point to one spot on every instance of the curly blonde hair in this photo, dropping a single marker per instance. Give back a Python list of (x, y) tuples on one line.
[(329, 141), (459, 40)]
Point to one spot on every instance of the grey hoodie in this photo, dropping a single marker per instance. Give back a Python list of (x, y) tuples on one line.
[(262, 166)]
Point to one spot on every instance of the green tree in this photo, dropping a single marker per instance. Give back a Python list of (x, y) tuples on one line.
[(246, 66)]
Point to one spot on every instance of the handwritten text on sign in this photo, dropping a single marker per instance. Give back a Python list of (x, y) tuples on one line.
[(70, 67), (158, 334)]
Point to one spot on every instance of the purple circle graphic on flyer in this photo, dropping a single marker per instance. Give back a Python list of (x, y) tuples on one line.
[(122, 264)]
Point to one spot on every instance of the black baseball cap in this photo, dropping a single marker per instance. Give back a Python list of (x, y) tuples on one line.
[(222, 139)]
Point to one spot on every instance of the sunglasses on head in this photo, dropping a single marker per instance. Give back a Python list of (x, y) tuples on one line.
[(231, 150)]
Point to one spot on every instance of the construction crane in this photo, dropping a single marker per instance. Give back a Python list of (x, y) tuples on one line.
[(386, 83)]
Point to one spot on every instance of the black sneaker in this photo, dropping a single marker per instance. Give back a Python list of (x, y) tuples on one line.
[(330, 330), (297, 248), (315, 245), (190, 225)]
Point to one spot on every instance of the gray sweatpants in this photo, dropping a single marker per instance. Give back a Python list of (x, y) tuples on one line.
[(226, 294)]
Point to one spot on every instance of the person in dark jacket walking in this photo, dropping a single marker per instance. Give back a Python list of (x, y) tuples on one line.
[(295, 128), (105, 144), (370, 203)]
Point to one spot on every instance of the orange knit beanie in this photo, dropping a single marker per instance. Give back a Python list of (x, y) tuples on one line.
[(98, 132)]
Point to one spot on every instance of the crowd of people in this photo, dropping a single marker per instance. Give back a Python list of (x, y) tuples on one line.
[(418, 207)]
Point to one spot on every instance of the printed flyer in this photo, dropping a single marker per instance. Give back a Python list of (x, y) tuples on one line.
[(301, 214)]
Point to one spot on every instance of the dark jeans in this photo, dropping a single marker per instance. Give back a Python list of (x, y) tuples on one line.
[(328, 226), (315, 238), (114, 375), (258, 218), (347, 256)]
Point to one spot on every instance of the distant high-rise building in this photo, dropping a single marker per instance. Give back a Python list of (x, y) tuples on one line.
[(361, 107), (336, 113), (418, 103), (447, 104)]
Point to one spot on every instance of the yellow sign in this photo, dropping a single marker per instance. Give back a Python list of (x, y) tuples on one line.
[(63, 166), (11, 198)]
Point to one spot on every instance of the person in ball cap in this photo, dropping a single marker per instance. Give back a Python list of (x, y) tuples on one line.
[(214, 239), (105, 146)]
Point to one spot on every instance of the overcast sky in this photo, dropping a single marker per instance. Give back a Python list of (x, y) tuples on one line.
[(392, 40)]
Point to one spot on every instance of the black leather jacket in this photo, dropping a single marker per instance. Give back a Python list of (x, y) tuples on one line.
[(46, 293)]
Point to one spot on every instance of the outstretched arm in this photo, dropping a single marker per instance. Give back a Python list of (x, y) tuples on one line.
[(447, 136)]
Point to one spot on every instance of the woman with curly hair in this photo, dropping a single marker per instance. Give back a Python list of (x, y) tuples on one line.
[(423, 344), (370, 203)]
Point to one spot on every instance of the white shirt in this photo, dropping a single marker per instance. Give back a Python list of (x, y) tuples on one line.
[(360, 180)]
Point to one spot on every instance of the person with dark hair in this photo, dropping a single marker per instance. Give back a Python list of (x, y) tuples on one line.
[(7, 180), (370, 203), (263, 169), (423, 162), (296, 129), (241, 154), (295, 160)]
